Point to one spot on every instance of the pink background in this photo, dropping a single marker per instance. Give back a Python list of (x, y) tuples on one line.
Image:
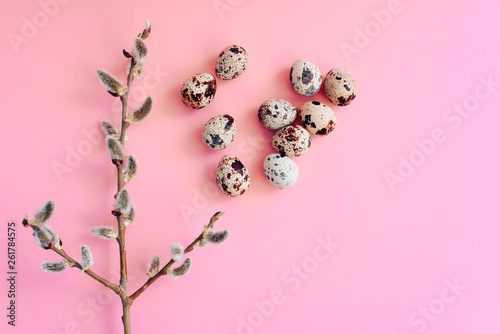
[(416, 255)]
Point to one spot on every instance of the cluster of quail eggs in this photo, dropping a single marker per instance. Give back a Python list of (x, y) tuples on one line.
[(199, 90), (289, 140), (218, 133), (316, 118)]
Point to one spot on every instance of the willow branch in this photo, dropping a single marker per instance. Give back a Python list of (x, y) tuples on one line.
[(73, 263), (121, 183), (126, 303), (164, 270)]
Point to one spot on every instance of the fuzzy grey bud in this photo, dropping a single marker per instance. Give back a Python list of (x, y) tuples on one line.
[(130, 169), (42, 238), (122, 203), (109, 129), (137, 70), (112, 84), (54, 267), (140, 51), (104, 232), (44, 213), (86, 258), (143, 112), (115, 150), (56, 242), (154, 265), (177, 252), (45, 237), (181, 270), (217, 237), (129, 216)]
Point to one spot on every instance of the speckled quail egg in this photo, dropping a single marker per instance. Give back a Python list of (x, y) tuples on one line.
[(305, 77), (282, 172), (219, 132), (292, 140), (199, 90), (231, 62), (340, 87), (275, 114), (318, 118), (232, 177)]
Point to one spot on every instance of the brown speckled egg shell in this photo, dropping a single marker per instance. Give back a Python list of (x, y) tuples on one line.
[(275, 114), (219, 132), (292, 141), (231, 63), (318, 118), (199, 90), (232, 177), (340, 87), (305, 77)]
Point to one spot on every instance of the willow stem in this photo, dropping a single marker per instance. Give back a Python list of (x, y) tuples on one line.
[(73, 263), (126, 303), (164, 270), (126, 316)]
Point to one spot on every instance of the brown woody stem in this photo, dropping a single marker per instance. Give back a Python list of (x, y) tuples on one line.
[(164, 270), (73, 263), (126, 317), (126, 302)]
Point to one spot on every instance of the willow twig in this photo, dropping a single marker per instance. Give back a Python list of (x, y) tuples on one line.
[(164, 270), (126, 303), (73, 263)]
